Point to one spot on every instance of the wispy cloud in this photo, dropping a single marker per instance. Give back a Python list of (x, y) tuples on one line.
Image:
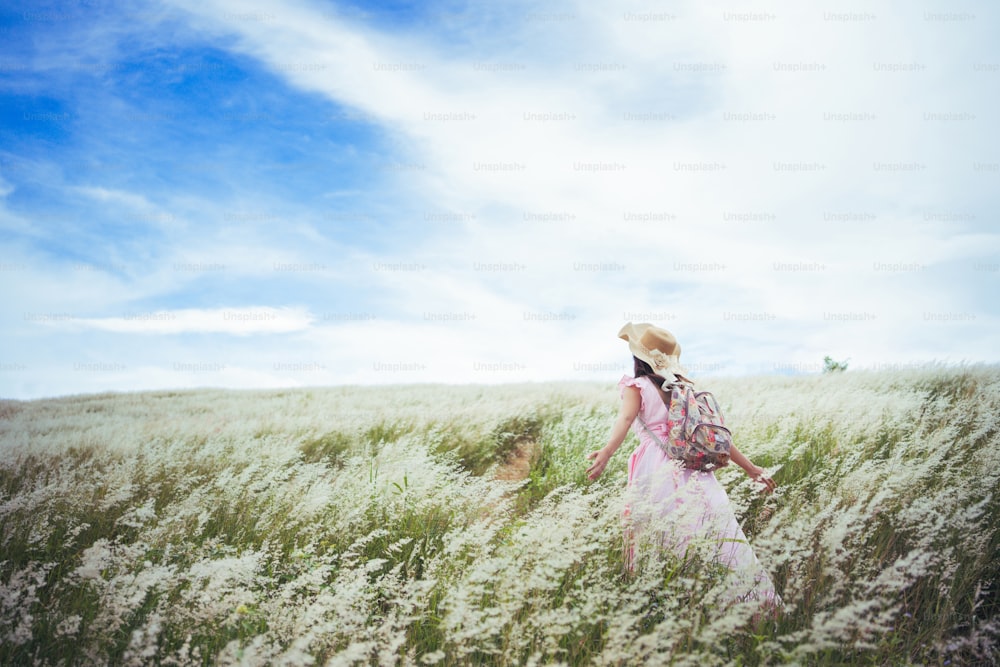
[(236, 321)]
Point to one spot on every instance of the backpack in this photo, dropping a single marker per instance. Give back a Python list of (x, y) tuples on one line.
[(694, 433)]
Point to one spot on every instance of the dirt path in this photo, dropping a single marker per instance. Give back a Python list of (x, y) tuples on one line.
[(518, 464)]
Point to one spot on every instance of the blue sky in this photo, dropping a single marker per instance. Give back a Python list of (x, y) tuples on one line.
[(250, 194)]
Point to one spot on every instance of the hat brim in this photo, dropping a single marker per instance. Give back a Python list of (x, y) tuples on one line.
[(664, 365)]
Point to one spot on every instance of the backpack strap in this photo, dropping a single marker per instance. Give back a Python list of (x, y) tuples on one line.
[(652, 433)]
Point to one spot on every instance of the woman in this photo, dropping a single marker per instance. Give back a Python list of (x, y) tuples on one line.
[(662, 491)]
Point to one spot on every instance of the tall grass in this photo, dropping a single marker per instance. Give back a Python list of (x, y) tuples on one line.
[(366, 526)]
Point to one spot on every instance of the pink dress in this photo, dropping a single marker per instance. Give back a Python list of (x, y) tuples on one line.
[(683, 509)]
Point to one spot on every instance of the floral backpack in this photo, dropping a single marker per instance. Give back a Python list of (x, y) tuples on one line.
[(694, 433)]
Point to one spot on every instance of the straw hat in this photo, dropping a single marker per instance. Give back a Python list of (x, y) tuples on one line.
[(656, 346)]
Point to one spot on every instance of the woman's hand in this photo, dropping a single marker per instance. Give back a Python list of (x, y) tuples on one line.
[(600, 458), (757, 474), (631, 400)]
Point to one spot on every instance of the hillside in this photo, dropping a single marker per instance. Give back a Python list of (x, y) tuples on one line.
[(378, 525)]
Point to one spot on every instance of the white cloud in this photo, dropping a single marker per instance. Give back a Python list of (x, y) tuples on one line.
[(237, 321), (111, 196), (696, 69)]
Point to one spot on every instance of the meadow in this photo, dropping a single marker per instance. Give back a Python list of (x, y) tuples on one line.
[(382, 526)]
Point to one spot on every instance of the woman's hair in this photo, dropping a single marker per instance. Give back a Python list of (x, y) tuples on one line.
[(642, 369)]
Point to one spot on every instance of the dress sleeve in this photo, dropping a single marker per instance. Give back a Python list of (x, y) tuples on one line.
[(628, 381)]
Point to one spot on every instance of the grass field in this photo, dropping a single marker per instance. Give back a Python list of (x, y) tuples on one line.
[(370, 526)]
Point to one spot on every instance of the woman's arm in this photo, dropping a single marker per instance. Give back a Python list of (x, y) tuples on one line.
[(756, 472), (629, 409)]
